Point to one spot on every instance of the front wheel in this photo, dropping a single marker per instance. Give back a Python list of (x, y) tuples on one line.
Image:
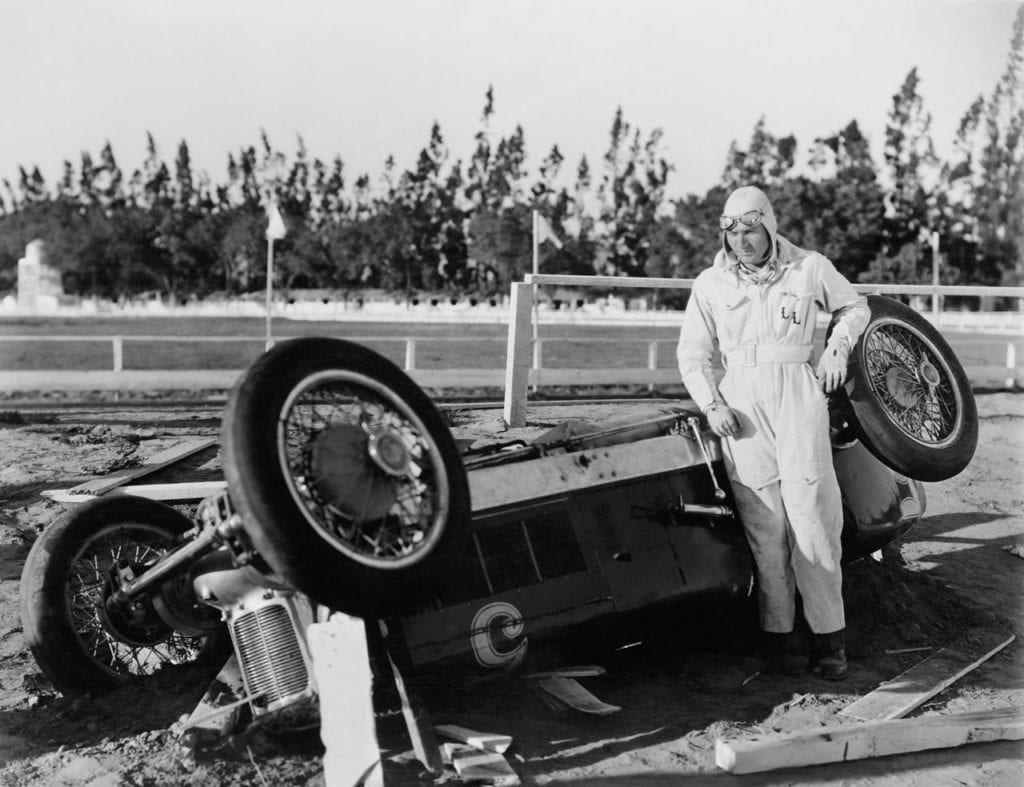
[(71, 570), (347, 479), (911, 401)]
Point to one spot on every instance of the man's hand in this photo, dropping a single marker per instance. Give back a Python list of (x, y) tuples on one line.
[(723, 420), (831, 371)]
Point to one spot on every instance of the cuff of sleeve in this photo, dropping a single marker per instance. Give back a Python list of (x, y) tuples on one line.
[(840, 343)]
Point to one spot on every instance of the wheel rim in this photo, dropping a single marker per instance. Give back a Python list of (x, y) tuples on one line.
[(913, 384), (118, 647), (362, 468)]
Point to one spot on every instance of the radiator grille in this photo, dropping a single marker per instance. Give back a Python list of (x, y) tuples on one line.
[(271, 657)]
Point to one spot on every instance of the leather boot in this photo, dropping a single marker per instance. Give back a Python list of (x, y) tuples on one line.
[(829, 659), (832, 665)]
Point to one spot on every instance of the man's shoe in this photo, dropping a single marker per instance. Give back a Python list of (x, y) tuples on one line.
[(832, 665)]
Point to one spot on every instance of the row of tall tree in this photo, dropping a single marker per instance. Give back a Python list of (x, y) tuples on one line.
[(465, 227)]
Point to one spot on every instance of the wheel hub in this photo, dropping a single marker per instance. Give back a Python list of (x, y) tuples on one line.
[(902, 389), (929, 374), (389, 452), (136, 623), (345, 465)]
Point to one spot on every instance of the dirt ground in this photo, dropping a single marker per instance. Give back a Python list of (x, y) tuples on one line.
[(956, 574)]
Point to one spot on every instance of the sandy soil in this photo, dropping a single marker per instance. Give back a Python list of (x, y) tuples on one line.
[(957, 573)]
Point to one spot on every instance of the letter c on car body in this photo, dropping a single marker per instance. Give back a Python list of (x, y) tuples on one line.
[(497, 635)]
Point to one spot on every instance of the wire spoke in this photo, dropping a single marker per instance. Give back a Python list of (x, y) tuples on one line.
[(900, 371), (391, 515), (85, 594)]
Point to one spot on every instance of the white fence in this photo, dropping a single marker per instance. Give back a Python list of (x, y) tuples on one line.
[(524, 354), (524, 348)]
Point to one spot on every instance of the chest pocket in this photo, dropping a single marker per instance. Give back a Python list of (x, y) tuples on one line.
[(794, 307), (734, 301)]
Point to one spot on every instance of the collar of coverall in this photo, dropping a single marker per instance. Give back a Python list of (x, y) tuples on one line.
[(786, 254)]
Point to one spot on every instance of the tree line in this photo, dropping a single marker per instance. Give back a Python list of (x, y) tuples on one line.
[(465, 227)]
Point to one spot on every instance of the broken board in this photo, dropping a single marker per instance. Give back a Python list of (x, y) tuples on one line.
[(910, 689), (485, 741), (823, 745), (160, 460), (586, 671), (572, 694), (195, 490), (474, 765)]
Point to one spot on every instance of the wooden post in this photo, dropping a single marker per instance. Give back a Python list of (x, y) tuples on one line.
[(348, 728), (652, 362), (517, 360), (410, 354), (1011, 365), (936, 298), (118, 353)]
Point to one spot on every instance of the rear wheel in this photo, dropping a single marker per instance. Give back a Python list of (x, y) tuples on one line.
[(347, 478), (71, 570), (910, 399)]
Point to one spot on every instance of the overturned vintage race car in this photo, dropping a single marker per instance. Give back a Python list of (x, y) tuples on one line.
[(345, 490)]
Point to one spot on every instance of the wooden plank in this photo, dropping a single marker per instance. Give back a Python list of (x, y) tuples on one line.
[(569, 691), (583, 671), (485, 741), (176, 453), (868, 739), (196, 490), (474, 765), (912, 688), (348, 728), (414, 709)]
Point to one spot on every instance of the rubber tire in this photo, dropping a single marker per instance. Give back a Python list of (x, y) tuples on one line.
[(282, 535), (47, 630), (871, 421)]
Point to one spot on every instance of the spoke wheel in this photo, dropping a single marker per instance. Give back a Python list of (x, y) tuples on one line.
[(347, 479), (72, 570), (362, 469), (121, 644), (908, 396), (914, 384)]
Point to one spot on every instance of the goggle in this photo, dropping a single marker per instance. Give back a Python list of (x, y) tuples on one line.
[(749, 219)]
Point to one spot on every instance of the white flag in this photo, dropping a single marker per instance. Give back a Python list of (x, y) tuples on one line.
[(275, 224), (544, 232)]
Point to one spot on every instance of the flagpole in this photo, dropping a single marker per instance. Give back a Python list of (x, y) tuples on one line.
[(270, 287), (275, 231), (536, 270)]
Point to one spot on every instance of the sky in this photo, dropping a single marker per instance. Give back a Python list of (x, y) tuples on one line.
[(365, 79)]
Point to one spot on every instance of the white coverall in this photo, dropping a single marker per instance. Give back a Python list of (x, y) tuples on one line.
[(780, 460)]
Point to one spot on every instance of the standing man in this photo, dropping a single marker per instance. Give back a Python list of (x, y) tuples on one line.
[(758, 305)]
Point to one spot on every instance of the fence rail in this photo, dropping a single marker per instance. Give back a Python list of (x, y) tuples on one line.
[(524, 359), (522, 329)]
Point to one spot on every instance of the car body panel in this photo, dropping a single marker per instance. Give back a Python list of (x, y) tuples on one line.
[(590, 522)]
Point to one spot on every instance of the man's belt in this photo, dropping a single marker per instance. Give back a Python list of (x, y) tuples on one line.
[(757, 354)]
